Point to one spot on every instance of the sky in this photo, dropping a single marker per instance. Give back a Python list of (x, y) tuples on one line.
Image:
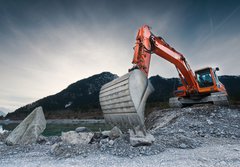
[(45, 45)]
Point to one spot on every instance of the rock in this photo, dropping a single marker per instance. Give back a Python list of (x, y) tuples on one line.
[(97, 137), (236, 149), (53, 139), (29, 129), (4, 135), (41, 139), (212, 114), (209, 122), (73, 137), (106, 133), (183, 146), (115, 133), (165, 120), (111, 142), (82, 129), (67, 155), (139, 139), (55, 148), (104, 141), (222, 163)]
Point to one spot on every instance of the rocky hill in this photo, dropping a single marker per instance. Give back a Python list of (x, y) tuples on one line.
[(80, 99), (2, 113), (164, 88)]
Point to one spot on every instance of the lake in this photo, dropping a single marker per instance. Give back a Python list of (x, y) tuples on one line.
[(1, 129), (56, 127)]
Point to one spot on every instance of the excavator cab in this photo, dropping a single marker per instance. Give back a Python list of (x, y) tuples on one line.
[(204, 78), (208, 81)]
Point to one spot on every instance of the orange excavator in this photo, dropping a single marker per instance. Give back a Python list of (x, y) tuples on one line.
[(123, 99)]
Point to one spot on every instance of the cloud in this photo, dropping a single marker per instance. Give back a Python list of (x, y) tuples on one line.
[(46, 46), (220, 51), (45, 61)]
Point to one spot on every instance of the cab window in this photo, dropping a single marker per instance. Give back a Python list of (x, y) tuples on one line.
[(204, 78)]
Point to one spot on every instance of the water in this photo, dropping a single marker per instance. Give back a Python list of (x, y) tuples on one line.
[(1, 129), (53, 129)]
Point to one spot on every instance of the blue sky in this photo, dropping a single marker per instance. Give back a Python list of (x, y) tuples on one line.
[(47, 45)]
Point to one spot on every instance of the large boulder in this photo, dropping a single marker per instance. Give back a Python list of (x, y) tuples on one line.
[(73, 137), (29, 129)]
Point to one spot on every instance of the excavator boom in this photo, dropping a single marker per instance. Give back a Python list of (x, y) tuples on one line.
[(147, 43)]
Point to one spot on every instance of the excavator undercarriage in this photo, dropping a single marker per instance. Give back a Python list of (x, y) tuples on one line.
[(217, 98)]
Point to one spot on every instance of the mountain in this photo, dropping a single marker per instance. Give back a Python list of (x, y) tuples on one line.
[(4, 111), (164, 88), (80, 99)]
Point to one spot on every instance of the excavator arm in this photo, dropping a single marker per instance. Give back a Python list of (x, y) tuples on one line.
[(147, 43)]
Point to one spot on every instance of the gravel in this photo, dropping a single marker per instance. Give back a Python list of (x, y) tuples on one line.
[(196, 136), (211, 155)]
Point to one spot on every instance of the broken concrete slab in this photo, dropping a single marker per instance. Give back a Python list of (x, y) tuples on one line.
[(106, 133), (29, 129), (115, 133), (73, 137), (138, 138)]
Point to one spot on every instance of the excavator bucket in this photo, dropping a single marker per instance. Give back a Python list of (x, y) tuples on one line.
[(123, 99)]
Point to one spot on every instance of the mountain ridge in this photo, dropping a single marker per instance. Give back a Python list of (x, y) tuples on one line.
[(80, 99)]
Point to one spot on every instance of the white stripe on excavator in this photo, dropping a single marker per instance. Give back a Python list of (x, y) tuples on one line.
[(116, 90), (103, 90), (125, 77), (120, 110), (117, 95), (120, 105), (116, 100)]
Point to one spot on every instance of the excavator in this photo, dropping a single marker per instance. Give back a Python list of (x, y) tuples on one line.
[(123, 99)]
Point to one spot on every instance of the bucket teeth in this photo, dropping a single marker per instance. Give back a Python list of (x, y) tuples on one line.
[(123, 100)]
